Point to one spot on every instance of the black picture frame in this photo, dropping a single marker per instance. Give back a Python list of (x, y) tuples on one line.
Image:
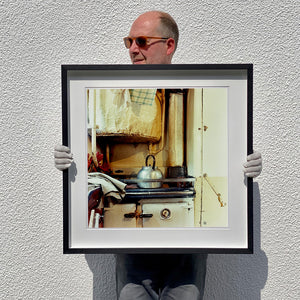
[(236, 77)]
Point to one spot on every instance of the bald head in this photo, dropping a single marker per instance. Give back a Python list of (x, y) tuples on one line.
[(157, 51), (166, 25)]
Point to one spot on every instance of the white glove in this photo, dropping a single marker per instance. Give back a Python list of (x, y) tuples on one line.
[(63, 157), (253, 166)]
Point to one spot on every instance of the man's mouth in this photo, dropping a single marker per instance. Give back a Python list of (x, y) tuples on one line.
[(138, 61)]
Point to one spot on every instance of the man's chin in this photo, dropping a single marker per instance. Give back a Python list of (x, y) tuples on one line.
[(139, 62)]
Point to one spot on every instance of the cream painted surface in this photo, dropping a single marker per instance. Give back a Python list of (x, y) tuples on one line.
[(215, 144), (171, 213), (207, 146), (215, 158), (215, 213), (207, 153), (114, 216), (38, 36)]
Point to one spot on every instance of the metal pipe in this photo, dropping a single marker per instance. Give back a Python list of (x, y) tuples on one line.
[(176, 130), (214, 190)]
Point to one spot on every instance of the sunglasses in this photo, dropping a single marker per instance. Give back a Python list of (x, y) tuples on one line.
[(141, 41)]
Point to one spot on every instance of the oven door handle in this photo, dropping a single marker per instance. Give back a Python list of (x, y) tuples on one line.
[(129, 216), (134, 215), (145, 215)]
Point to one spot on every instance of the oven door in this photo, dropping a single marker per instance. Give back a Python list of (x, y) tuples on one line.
[(174, 212), (115, 216)]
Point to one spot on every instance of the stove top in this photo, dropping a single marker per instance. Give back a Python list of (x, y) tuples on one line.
[(171, 188), (152, 193)]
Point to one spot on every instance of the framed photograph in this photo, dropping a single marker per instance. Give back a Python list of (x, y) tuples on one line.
[(158, 153)]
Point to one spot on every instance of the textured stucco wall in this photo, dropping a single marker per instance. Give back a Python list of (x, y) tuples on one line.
[(38, 36)]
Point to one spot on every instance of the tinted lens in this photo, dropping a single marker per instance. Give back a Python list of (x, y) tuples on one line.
[(141, 41), (128, 42)]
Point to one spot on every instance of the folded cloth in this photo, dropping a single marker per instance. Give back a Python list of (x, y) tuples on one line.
[(142, 96), (111, 187)]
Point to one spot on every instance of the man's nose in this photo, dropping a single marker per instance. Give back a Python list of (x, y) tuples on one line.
[(134, 48)]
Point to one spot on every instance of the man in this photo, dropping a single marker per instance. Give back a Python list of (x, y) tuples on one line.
[(153, 39), (159, 49)]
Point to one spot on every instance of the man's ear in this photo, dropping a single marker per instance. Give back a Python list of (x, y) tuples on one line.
[(170, 46)]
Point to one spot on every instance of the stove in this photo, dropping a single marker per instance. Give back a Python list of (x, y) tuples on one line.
[(169, 206)]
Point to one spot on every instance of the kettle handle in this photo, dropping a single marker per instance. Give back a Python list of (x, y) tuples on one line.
[(150, 155)]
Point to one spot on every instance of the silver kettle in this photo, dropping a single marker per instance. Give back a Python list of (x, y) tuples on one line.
[(149, 172)]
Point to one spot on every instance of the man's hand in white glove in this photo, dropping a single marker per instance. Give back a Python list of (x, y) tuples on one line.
[(62, 157), (253, 166)]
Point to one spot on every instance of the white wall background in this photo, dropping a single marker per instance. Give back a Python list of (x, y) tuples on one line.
[(38, 36)]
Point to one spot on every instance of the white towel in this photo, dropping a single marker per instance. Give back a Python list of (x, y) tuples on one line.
[(111, 187)]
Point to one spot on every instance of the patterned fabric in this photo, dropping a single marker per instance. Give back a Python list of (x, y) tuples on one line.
[(142, 96)]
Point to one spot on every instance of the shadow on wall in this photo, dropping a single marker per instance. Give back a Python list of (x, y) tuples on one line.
[(239, 276), (104, 281), (228, 276)]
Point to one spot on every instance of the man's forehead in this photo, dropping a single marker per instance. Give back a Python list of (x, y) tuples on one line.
[(145, 25)]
